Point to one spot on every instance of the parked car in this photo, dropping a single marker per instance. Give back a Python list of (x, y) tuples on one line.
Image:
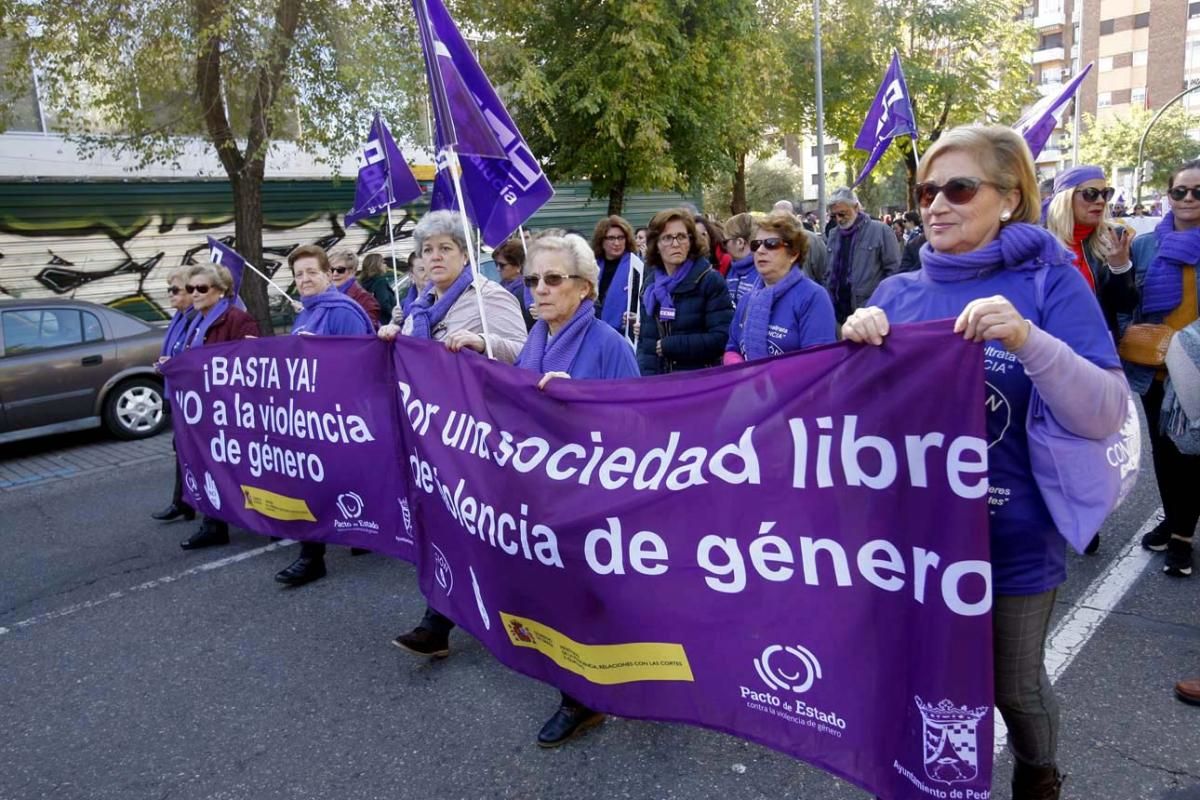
[(66, 365)]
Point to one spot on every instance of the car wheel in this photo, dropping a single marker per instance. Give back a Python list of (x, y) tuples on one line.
[(135, 409)]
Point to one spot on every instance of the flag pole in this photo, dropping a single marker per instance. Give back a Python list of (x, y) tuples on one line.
[(452, 159), (916, 153), (274, 286), (392, 241)]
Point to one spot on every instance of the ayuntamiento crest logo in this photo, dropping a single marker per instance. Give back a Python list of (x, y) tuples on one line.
[(951, 741), (788, 668)]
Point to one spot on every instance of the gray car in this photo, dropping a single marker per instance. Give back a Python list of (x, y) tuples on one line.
[(66, 365)]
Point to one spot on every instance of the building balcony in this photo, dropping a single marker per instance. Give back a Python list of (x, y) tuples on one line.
[(1045, 23), (1049, 54)]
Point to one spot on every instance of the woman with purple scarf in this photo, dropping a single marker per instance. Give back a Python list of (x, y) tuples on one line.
[(613, 247), (787, 311), (1012, 286), (742, 278), (1168, 284), (172, 346), (448, 311), (570, 341), (686, 307)]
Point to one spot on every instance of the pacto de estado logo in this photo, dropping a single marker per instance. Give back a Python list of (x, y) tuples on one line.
[(790, 668)]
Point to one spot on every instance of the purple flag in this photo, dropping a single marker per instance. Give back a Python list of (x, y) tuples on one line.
[(503, 185), (227, 257), (891, 114), (775, 550), (1041, 119), (384, 177)]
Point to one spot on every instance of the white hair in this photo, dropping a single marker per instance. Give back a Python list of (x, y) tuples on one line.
[(578, 253), (784, 205), (844, 194), (439, 223)]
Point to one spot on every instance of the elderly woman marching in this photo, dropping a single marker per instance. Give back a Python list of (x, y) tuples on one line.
[(172, 346), (788, 310), (1011, 285), (327, 311), (448, 311), (217, 320), (569, 341)]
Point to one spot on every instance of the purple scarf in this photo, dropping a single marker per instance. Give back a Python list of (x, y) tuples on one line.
[(542, 355), (658, 293), (176, 331), (198, 328), (314, 319), (1019, 246), (411, 297), (758, 313), (742, 278), (841, 265), (1163, 290), (428, 311)]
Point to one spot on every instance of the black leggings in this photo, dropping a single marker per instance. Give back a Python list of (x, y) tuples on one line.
[(1177, 475)]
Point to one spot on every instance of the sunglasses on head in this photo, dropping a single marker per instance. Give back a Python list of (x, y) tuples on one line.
[(198, 289), (1178, 193), (773, 243), (549, 278), (957, 191), (339, 270), (1092, 194)]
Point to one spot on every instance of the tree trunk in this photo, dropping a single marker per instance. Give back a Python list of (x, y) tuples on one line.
[(738, 204), (247, 221), (616, 197), (910, 168)]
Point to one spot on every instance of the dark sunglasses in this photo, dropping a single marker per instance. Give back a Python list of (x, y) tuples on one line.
[(199, 289), (1178, 193), (339, 270), (1092, 194), (549, 278), (174, 290), (774, 243), (958, 191)]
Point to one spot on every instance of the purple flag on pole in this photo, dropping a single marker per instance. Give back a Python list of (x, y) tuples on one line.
[(1041, 120), (503, 184), (384, 178), (891, 114), (228, 258)]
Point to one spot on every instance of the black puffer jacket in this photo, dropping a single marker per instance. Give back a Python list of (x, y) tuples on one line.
[(696, 338)]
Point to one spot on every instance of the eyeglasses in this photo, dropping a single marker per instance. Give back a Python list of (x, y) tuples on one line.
[(674, 238), (200, 289), (551, 279), (339, 270), (174, 290), (1178, 193), (618, 238), (774, 243), (1092, 194), (958, 191)]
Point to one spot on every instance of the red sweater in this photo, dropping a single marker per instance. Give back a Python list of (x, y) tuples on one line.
[(233, 324)]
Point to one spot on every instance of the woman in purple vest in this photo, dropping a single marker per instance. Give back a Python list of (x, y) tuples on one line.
[(181, 301), (979, 201)]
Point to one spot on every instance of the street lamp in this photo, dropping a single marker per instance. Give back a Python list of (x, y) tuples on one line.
[(1137, 191)]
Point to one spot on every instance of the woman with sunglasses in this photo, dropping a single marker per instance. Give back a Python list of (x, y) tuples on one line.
[(172, 346), (343, 268), (1168, 284), (448, 311), (686, 308), (570, 341), (1011, 285), (217, 319), (787, 311), (741, 277)]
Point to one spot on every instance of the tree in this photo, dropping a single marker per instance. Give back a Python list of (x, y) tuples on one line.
[(141, 78), (1112, 142), (627, 94)]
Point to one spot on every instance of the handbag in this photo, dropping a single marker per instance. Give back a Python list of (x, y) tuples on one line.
[(1081, 480), (1146, 344)]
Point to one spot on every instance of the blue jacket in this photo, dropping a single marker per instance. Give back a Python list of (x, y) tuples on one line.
[(742, 278), (801, 318), (604, 354), (1145, 248), (697, 336)]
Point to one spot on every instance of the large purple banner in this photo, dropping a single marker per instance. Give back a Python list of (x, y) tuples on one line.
[(793, 551)]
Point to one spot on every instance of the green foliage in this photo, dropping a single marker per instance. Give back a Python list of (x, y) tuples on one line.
[(767, 181), (1113, 142)]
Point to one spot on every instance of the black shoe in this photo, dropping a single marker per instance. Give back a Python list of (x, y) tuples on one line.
[(301, 571), (174, 512), (424, 642), (1179, 558), (1092, 546), (359, 551), (206, 537), (567, 723), (1157, 538), (1036, 783)]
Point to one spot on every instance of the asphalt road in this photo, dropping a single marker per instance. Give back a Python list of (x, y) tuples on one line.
[(130, 669)]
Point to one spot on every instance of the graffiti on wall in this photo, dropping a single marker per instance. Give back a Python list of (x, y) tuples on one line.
[(128, 269)]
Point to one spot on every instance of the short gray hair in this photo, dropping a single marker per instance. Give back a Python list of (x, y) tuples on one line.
[(439, 223), (346, 257), (844, 194), (581, 260), (217, 274), (784, 205)]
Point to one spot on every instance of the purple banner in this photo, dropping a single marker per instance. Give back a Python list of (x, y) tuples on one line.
[(793, 551), (293, 436)]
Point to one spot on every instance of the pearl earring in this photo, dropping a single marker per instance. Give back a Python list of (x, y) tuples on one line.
[(1006, 216)]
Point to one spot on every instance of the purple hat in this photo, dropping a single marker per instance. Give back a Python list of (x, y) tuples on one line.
[(1077, 175)]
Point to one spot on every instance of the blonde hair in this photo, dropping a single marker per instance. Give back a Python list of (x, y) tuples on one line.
[(1004, 158), (1060, 221), (219, 275), (575, 250)]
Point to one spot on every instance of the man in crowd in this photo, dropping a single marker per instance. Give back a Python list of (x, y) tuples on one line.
[(862, 252)]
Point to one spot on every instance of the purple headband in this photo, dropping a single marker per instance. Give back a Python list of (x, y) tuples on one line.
[(1077, 175)]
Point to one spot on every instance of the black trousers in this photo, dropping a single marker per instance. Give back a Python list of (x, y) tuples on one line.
[(312, 549), (177, 494), (435, 622), (1177, 475)]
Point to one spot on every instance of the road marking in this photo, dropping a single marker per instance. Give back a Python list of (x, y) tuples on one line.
[(1073, 631), (141, 587)]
